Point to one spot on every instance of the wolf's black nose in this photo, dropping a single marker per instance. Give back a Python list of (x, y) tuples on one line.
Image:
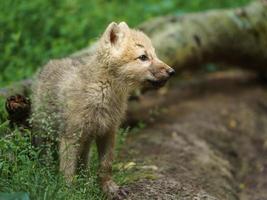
[(171, 72)]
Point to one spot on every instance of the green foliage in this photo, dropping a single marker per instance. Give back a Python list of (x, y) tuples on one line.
[(15, 195), (32, 32), (24, 169)]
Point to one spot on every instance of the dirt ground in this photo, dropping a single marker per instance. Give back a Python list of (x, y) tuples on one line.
[(206, 140)]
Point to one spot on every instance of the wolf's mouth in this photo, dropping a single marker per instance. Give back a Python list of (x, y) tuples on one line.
[(157, 83)]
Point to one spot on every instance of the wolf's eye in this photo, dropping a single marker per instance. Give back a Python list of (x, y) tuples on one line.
[(143, 57)]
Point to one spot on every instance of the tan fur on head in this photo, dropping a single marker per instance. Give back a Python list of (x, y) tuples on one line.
[(86, 100), (123, 48)]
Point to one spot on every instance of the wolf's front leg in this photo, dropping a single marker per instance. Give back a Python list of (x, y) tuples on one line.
[(105, 147), (73, 156)]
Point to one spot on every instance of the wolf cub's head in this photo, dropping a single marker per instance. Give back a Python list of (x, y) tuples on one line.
[(131, 56)]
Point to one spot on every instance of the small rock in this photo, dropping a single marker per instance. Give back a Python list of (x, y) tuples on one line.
[(150, 167), (232, 123), (129, 165)]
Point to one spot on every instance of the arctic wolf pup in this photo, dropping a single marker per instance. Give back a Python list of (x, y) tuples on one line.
[(89, 97)]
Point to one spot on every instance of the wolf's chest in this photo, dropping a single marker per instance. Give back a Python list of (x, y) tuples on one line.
[(106, 106), (106, 117)]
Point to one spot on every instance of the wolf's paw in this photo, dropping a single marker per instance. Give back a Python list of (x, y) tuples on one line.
[(114, 192)]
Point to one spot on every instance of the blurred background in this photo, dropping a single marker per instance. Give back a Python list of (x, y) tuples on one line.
[(213, 136), (34, 31)]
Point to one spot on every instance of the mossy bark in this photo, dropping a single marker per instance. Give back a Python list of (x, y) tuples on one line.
[(234, 36)]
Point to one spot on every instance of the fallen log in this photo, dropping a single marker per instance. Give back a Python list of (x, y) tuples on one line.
[(231, 36)]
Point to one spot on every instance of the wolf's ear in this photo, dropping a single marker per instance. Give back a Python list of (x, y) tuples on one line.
[(124, 26), (115, 33)]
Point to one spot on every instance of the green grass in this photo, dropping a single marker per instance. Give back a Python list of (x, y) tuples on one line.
[(31, 33), (23, 169)]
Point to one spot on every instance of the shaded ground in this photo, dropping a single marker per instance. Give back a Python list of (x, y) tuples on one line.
[(206, 140)]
